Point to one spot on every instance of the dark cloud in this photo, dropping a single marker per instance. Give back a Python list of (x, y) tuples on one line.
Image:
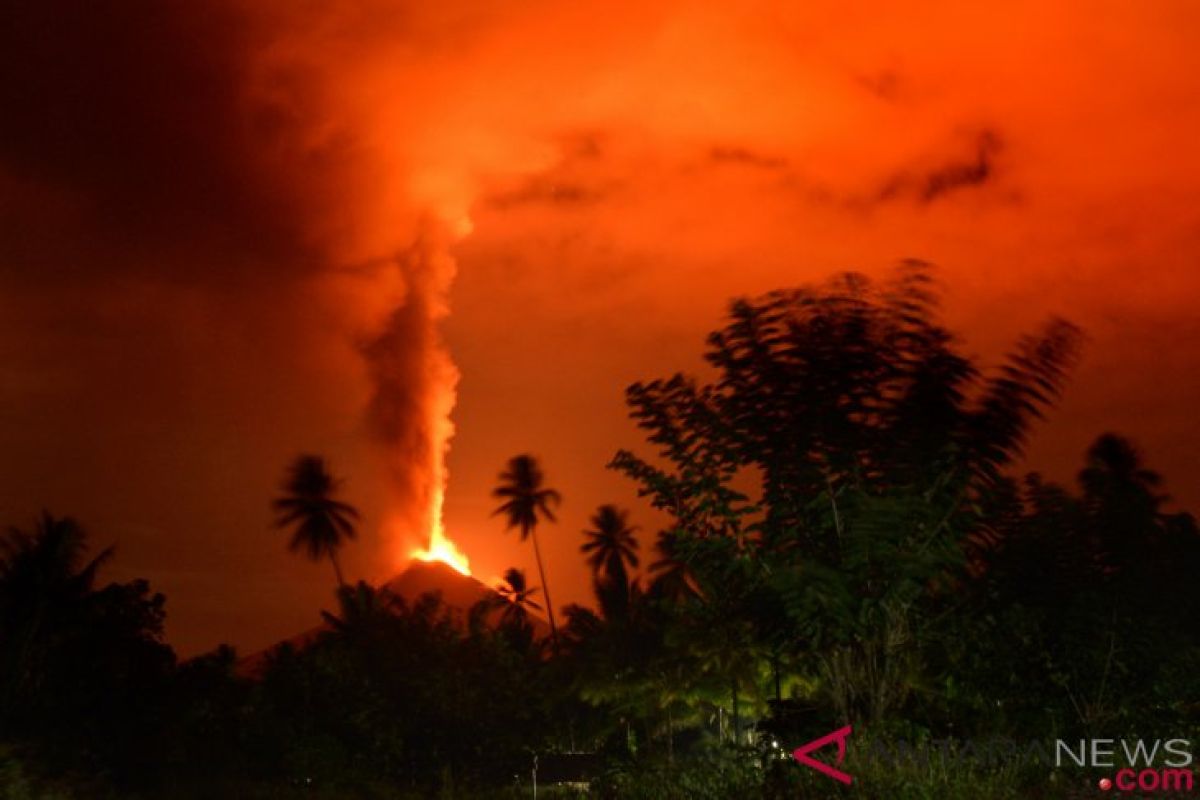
[(926, 185), (179, 208), (578, 179), (884, 84), (142, 119), (548, 190), (413, 389), (746, 157)]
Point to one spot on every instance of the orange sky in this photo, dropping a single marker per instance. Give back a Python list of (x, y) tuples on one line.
[(207, 216)]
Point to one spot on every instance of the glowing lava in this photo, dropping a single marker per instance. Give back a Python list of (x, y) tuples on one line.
[(442, 549)]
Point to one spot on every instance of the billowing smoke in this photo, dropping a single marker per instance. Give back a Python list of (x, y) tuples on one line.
[(413, 380)]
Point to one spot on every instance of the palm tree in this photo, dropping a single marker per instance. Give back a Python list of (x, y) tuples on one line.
[(611, 544), (671, 576), (320, 523), (515, 596), (44, 576), (365, 611), (526, 502)]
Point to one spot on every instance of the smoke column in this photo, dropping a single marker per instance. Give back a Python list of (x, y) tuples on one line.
[(414, 382)]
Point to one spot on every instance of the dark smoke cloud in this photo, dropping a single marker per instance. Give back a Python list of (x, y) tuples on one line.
[(180, 208), (949, 176), (135, 119), (413, 387), (745, 157)]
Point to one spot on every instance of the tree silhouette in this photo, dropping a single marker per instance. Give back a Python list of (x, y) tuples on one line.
[(839, 460), (1123, 499), (81, 668), (611, 544), (526, 502), (44, 578), (669, 572), (364, 611), (515, 597), (320, 523)]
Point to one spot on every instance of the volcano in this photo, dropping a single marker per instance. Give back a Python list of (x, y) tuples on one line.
[(459, 593)]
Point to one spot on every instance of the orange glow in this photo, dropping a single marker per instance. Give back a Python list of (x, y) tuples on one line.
[(443, 550), (440, 547), (311, 218)]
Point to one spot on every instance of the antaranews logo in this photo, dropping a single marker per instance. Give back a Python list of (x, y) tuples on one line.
[(801, 754), (1138, 762), (1138, 765)]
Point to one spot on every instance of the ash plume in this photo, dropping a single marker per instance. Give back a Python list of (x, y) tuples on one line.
[(413, 386)]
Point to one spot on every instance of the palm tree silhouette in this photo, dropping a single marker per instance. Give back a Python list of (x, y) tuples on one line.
[(365, 612), (43, 578), (671, 575), (611, 544), (320, 523), (526, 501), (515, 596)]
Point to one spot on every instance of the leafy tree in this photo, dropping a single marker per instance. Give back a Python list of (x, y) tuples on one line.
[(669, 572), (320, 523), (840, 459), (84, 668), (526, 501), (1093, 586)]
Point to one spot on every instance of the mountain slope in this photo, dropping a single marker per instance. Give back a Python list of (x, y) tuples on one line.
[(459, 593)]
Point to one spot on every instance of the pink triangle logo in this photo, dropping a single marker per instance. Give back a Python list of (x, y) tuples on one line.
[(801, 754)]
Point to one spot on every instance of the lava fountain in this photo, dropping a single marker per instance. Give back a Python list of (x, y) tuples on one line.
[(440, 547)]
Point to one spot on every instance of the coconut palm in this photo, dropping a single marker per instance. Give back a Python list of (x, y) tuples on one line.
[(526, 501), (671, 577), (515, 596), (611, 546), (320, 523), (44, 576), (362, 607)]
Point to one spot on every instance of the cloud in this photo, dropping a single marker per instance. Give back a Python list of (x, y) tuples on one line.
[(929, 184), (743, 156)]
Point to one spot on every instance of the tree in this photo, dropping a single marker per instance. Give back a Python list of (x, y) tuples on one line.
[(1124, 500), (839, 459), (526, 502), (320, 523), (82, 669), (611, 544), (44, 579), (365, 611), (670, 576), (1094, 586), (515, 597)]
